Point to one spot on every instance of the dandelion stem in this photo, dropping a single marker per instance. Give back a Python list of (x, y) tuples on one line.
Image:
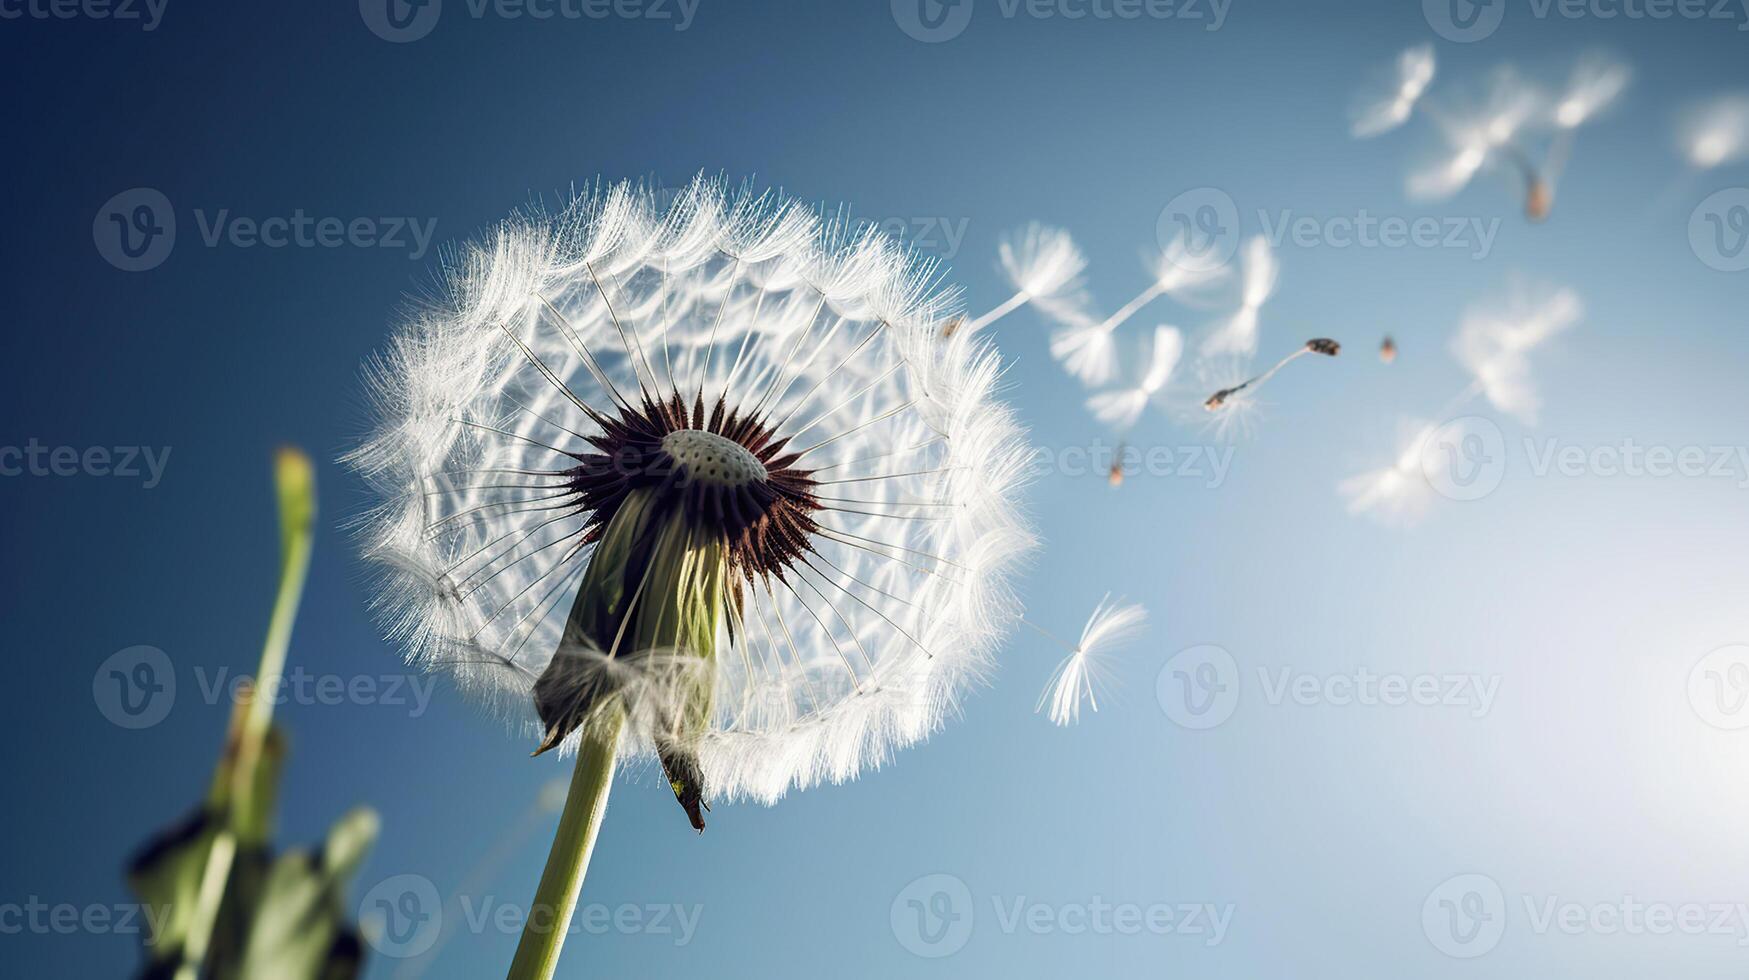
[(555, 899)]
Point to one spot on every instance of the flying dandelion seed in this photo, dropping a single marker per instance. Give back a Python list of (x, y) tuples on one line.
[(1082, 673), (1596, 82), (1399, 493), (1480, 133), (705, 478), (1388, 350), (1084, 345), (1493, 343), (1115, 475), (1318, 345), (1392, 102), (1716, 133), (1238, 335), (1121, 408), (1043, 264)]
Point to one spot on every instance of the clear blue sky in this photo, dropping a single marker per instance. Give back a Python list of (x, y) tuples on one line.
[(1591, 781)]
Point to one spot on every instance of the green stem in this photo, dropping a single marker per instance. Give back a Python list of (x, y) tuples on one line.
[(543, 935), (235, 788)]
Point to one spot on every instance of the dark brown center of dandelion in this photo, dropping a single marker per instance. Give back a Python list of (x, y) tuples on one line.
[(724, 470)]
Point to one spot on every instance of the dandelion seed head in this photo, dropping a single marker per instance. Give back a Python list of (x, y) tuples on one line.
[(771, 371)]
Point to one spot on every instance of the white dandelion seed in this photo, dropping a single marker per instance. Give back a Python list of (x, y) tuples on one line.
[(1494, 341), (1121, 408), (711, 463), (1079, 676), (1084, 344), (1478, 134), (1322, 346), (1238, 335), (1390, 103), (1596, 82), (1399, 493), (1716, 133), (1042, 264)]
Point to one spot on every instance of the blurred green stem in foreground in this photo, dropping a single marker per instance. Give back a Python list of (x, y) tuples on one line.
[(232, 909)]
